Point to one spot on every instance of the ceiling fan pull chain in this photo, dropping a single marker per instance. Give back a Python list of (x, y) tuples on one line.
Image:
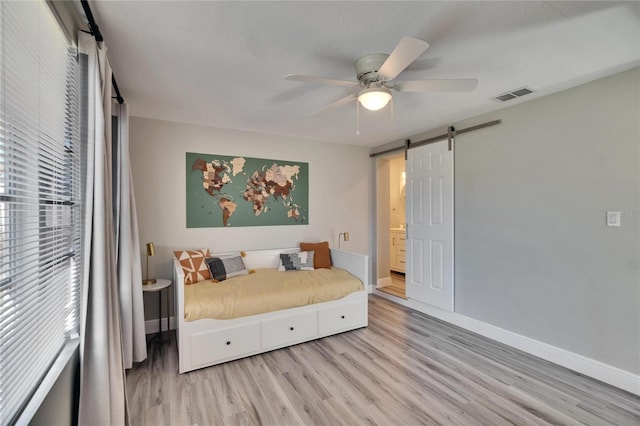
[(357, 118)]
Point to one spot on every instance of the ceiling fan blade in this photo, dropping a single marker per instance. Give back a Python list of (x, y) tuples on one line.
[(402, 56), (319, 80), (343, 101), (460, 85)]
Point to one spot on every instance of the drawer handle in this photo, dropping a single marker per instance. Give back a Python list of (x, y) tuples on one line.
[(342, 316), (228, 342), (291, 328)]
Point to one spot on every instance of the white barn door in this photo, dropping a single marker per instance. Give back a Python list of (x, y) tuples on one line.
[(429, 275)]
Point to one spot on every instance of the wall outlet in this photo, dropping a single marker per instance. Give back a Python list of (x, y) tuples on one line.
[(613, 218)]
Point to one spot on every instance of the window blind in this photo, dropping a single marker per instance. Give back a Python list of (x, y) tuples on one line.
[(40, 213)]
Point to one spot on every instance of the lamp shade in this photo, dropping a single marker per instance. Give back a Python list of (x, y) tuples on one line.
[(375, 98), (151, 249)]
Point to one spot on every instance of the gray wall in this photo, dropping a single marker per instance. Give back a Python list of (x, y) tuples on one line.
[(533, 254)]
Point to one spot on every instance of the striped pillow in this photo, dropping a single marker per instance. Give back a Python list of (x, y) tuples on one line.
[(193, 265)]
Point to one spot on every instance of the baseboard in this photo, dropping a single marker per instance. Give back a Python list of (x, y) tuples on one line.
[(384, 282), (590, 367), (152, 326)]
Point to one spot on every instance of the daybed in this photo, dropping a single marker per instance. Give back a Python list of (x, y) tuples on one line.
[(206, 342)]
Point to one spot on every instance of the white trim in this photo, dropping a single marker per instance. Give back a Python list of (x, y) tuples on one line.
[(384, 282), (590, 367)]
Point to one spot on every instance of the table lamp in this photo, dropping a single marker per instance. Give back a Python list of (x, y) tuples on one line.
[(151, 251)]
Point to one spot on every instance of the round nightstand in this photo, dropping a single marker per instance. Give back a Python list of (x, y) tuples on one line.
[(158, 286)]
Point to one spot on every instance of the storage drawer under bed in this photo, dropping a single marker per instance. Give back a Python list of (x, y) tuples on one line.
[(288, 329), (342, 317), (219, 345)]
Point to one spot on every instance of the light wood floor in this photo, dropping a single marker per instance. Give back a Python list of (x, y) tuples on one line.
[(397, 287), (404, 369)]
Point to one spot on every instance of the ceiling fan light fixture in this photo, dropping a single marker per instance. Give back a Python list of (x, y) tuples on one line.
[(374, 98)]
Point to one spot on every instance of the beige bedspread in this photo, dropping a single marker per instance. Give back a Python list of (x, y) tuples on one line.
[(266, 290)]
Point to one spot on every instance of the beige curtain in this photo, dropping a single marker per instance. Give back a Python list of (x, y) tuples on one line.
[(102, 375)]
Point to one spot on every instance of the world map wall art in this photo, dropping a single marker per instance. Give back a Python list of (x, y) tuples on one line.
[(224, 191)]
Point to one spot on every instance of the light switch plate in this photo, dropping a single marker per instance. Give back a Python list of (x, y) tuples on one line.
[(613, 218)]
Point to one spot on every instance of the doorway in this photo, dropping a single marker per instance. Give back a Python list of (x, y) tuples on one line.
[(391, 214)]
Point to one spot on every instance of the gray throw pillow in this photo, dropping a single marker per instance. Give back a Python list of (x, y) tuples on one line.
[(302, 261), (222, 268)]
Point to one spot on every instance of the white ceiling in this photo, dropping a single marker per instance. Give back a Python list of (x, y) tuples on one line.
[(222, 63)]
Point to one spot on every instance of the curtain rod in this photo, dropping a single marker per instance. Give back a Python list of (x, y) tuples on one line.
[(95, 31), (408, 144)]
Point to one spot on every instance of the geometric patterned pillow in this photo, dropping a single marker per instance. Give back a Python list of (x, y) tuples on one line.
[(302, 261), (193, 265)]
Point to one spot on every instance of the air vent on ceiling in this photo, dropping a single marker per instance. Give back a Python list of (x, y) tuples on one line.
[(512, 94)]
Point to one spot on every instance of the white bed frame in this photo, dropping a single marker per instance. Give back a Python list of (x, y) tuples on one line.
[(206, 342)]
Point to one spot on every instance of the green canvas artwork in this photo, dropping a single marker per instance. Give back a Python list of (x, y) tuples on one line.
[(224, 191)]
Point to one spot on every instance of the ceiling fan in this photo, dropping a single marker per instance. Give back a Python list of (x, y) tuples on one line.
[(376, 71)]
